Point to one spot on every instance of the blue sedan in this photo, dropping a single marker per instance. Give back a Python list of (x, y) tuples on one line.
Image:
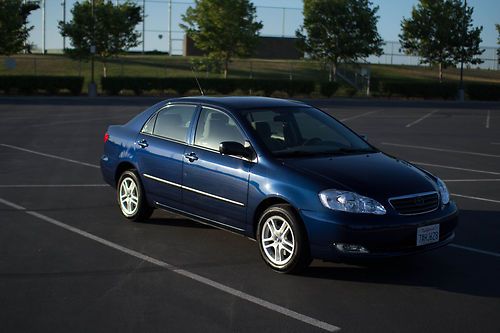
[(282, 172)]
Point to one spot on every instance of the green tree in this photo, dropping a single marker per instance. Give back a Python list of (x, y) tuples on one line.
[(336, 31), (14, 30), (223, 29), (113, 27), (441, 32)]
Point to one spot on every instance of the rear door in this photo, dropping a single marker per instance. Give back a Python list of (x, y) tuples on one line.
[(216, 185), (160, 153)]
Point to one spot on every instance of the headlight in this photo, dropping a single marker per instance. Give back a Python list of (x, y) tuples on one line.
[(350, 202), (443, 192)]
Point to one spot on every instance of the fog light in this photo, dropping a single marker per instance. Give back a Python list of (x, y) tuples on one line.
[(351, 248)]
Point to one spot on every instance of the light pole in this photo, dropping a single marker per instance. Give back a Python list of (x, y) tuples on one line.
[(461, 93), (44, 50), (64, 21), (143, 25), (170, 28), (92, 85)]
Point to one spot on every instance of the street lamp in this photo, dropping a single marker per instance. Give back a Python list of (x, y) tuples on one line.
[(461, 93), (92, 86)]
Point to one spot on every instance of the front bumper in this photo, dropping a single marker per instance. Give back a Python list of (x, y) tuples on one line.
[(383, 236)]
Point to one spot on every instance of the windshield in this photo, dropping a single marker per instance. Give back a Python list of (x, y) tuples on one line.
[(303, 131)]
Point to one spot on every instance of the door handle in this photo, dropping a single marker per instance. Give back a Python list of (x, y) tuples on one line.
[(191, 157), (142, 143)]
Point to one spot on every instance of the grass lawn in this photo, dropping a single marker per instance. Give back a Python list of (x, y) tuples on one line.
[(177, 66)]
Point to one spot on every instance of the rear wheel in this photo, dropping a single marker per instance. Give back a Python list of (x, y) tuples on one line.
[(282, 240), (131, 198)]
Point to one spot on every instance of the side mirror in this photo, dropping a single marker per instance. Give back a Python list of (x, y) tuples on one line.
[(234, 149)]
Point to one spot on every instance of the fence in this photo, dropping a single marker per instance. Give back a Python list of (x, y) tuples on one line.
[(393, 55)]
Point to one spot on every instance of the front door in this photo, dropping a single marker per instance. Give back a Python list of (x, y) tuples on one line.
[(216, 185)]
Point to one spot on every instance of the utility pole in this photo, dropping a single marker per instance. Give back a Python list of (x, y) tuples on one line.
[(92, 86), (44, 50), (64, 21), (143, 25), (283, 24), (170, 27), (461, 93)]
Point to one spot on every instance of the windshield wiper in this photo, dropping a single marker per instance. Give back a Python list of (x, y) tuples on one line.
[(346, 151)]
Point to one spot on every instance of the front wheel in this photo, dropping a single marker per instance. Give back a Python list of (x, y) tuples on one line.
[(131, 198), (282, 240)]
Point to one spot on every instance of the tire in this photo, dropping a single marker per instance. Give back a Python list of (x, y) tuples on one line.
[(286, 248), (131, 197)]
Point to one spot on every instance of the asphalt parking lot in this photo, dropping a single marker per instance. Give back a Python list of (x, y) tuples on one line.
[(69, 261)]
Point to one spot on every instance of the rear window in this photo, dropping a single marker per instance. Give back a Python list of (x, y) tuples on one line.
[(171, 122)]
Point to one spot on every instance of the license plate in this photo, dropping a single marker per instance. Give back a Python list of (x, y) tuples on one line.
[(428, 234)]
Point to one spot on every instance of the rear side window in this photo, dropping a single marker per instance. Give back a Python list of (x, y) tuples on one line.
[(173, 122), (215, 127)]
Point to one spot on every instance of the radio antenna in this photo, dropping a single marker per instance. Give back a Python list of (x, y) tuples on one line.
[(197, 82)]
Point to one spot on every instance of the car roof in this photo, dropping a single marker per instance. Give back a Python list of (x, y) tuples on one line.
[(239, 102)]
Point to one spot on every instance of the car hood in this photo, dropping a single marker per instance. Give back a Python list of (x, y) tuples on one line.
[(374, 175)]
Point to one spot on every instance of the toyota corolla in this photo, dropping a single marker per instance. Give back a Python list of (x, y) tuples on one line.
[(284, 173)]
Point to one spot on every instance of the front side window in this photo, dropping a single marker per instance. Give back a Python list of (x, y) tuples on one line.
[(173, 122), (215, 127), (306, 131)]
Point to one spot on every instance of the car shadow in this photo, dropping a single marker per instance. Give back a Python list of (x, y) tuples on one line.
[(177, 222), (450, 269)]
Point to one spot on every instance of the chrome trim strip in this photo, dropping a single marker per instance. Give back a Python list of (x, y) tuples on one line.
[(193, 190), (213, 196), (161, 180)]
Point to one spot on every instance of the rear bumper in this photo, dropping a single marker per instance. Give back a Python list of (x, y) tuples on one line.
[(107, 170), (383, 236)]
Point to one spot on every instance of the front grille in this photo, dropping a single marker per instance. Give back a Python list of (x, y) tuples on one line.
[(416, 203)]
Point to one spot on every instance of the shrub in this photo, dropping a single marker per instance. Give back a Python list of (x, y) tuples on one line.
[(328, 89), (415, 88), (29, 84), (482, 91), (113, 85)]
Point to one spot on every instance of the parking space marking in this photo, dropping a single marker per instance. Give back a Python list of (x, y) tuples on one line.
[(50, 155), (488, 119), (421, 118), (358, 116), (439, 149), (494, 254), (65, 122), (472, 180), (455, 168), (51, 185), (474, 198), (208, 282)]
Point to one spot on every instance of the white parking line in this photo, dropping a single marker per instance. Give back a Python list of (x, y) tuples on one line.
[(235, 292), (455, 168), (49, 155), (422, 118), (474, 198), (439, 149), (488, 119), (51, 185), (471, 180), (65, 122), (358, 116), (475, 250)]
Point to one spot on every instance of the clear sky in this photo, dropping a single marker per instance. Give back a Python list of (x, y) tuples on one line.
[(486, 13)]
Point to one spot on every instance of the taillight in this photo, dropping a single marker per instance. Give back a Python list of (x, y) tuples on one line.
[(106, 137)]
